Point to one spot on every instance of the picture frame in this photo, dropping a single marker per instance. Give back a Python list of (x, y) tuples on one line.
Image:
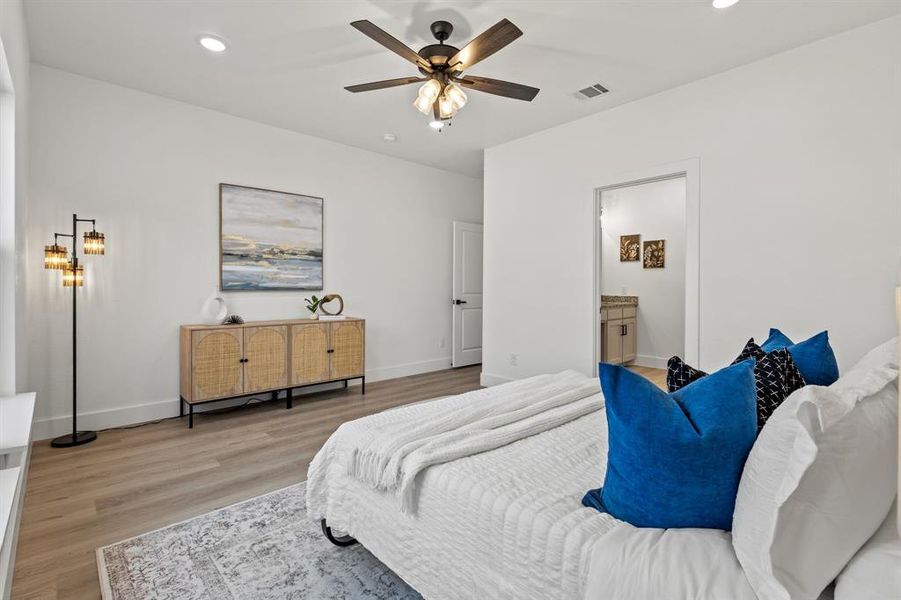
[(270, 240), (630, 248), (654, 254)]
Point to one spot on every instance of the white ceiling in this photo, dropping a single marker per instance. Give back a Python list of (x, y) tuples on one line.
[(288, 61)]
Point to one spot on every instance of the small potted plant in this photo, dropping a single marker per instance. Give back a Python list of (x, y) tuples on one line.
[(313, 305)]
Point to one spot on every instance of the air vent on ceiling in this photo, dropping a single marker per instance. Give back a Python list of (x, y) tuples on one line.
[(593, 91)]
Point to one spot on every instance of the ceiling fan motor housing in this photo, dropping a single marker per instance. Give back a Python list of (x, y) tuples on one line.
[(437, 55)]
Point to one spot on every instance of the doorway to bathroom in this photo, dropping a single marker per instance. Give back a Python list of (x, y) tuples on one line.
[(646, 258)]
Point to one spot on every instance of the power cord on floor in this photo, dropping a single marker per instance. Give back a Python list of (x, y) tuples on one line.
[(218, 411)]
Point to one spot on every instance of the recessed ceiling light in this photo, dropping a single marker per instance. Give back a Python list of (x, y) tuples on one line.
[(724, 3), (212, 44), (389, 137)]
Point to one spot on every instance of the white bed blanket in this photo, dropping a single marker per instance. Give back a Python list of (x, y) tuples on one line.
[(508, 523), (390, 456)]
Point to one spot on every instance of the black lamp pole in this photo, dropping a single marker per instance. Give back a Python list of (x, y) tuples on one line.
[(76, 438)]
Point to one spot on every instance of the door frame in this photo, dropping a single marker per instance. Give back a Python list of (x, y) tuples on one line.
[(690, 169)]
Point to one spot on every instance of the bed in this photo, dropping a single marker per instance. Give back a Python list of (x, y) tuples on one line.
[(507, 522)]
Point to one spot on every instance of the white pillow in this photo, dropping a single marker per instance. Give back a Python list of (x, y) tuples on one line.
[(819, 481), (875, 571)]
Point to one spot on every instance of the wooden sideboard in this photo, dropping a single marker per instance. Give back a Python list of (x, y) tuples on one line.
[(219, 362)]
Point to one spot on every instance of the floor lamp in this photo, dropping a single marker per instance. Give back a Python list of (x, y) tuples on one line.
[(56, 258)]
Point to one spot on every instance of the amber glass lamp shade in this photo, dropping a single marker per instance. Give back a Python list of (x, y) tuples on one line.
[(73, 276), (93, 242), (55, 257)]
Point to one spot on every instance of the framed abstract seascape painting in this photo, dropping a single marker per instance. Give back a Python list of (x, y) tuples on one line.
[(269, 240)]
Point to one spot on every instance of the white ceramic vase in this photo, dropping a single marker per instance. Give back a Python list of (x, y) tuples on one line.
[(214, 309)]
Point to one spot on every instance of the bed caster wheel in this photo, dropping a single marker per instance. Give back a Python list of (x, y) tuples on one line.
[(342, 541)]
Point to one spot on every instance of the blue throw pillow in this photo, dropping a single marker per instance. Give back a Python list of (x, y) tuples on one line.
[(814, 356), (675, 460)]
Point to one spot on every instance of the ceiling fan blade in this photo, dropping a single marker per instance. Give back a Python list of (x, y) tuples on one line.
[(380, 85), (485, 44), (499, 88), (390, 42)]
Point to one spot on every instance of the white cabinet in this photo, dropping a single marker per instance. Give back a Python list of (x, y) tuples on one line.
[(16, 416), (619, 334)]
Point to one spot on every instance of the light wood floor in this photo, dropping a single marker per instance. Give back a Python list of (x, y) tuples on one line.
[(657, 376), (131, 481)]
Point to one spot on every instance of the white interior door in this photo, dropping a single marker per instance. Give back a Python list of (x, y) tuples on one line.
[(467, 300)]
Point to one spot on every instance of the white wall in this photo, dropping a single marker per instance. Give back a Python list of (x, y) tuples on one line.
[(14, 88), (147, 169), (799, 206), (656, 211)]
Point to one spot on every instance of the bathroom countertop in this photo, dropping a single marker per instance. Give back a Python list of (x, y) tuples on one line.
[(618, 301)]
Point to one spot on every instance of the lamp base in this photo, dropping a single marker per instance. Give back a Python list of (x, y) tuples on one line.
[(67, 441)]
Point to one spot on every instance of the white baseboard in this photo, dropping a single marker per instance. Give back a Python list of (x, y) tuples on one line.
[(488, 380), (654, 362), (51, 427), (405, 370)]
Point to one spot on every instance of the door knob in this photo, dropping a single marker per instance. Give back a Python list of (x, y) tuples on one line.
[(458, 301)]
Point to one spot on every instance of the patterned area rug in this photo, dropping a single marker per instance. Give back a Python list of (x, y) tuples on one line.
[(265, 548)]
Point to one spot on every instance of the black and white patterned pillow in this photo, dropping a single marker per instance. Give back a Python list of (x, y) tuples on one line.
[(770, 386), (751, 350), (794, 380), (679, 374), (775, 376)]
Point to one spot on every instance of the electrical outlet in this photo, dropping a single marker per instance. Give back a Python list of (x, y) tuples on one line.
[(514, 359)]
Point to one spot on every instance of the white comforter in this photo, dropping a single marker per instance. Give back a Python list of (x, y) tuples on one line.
[(390, 456), (508, 523)]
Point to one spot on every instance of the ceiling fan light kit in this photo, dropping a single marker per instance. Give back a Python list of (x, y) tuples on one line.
[(455, 95), (442, 66)]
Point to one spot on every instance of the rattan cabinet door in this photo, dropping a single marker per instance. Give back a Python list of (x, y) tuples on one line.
[(309, 353), (265, 358), (347, 349), (216, 365)]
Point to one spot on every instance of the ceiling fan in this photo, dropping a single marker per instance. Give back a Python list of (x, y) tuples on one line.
[(441, 66)]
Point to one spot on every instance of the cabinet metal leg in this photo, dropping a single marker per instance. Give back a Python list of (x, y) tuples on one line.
[(181, 407), (363, 386), (345, 384), (190, 416), (289, 398)]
